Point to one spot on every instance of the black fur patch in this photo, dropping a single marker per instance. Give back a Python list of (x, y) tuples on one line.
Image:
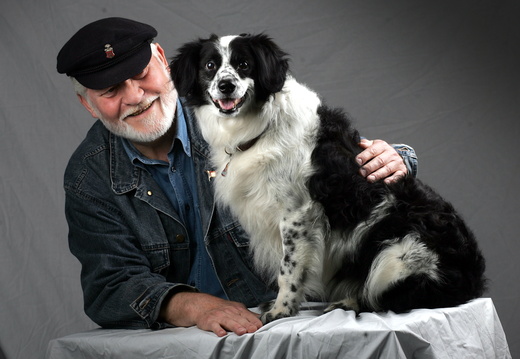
[(349, 199)]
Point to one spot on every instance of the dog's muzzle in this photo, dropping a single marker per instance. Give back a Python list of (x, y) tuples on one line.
[(228, 104)]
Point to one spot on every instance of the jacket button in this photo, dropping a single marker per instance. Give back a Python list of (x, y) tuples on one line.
[(179, 238), (149, 193)]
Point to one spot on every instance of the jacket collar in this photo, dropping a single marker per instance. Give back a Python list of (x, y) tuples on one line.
[(125, 176)]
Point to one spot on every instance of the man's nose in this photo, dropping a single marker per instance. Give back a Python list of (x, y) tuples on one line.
[(133, 93)]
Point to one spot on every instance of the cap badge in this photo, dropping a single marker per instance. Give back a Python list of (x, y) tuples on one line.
[(109, 51)]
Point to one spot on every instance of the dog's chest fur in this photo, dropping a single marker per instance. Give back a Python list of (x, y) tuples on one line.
[(265, 182)]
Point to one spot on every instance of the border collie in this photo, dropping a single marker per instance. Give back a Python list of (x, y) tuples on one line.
[(285, 165)]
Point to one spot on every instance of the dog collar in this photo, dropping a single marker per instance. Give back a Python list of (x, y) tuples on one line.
[(244, 146)]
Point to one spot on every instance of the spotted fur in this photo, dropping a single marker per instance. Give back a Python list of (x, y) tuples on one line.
[(285, 166)]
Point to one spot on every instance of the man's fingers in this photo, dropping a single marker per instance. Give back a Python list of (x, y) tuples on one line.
[(371, 150), (380, 167), (384, 171), (395, 177), (233, 324), (249, 321), (230, 319), (379, 160), (217, 329)]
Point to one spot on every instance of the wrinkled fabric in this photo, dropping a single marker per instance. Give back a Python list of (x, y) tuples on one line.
[(472, 330)]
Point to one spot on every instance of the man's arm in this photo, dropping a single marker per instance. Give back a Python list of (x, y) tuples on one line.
[(121, 291)]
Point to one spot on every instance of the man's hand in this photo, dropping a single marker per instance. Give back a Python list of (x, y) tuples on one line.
[(210, 313), (379, 160)]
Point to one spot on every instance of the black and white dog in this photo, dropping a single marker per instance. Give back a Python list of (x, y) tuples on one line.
[(285, 164)]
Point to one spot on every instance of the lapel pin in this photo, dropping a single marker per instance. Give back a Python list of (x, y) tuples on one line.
[(211, 174)]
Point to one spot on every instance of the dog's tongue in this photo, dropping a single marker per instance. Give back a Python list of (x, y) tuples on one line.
[(227, 104)]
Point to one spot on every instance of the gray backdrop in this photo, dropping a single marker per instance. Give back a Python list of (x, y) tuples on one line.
[(442, 76)]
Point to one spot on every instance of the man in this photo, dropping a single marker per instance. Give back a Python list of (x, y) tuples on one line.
[(155, 250)]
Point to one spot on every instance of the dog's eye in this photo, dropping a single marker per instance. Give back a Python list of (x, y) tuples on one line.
[(243, 65), (211, 65)]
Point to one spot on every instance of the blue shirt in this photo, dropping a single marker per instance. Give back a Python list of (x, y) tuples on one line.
[(177, 180)]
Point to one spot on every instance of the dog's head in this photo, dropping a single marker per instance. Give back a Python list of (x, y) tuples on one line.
[(234, 73)]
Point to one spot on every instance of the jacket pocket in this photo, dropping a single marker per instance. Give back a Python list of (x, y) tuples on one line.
[(159, 257), (238, 235)]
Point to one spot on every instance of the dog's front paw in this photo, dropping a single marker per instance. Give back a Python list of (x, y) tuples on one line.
[(271, 312), (266, 306), (273, 315)]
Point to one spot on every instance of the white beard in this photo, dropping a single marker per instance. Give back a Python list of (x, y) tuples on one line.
[(156, 125)]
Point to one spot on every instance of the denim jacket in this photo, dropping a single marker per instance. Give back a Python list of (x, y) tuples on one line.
[(133, 248)]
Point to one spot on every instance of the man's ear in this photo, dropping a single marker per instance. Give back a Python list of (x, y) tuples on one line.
[(162, 54), (85, 104)]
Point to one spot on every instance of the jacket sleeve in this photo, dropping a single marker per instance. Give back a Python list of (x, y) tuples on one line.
[(409, 157), (121, 287)]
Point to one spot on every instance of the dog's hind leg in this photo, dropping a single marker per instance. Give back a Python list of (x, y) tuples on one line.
[(401, 263), (301, 266), (345, 304)]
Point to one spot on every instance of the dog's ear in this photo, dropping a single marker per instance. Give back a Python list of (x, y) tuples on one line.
[(184, 67), (271, 62)]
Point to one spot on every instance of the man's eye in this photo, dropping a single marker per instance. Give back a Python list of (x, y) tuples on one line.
[(109, 92)]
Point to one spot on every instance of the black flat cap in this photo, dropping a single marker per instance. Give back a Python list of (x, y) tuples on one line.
[(107, 52)]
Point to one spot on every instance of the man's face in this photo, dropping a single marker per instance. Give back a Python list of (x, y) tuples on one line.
[(141, 108)]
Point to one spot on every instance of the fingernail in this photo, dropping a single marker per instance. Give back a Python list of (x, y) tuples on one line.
[(363, 172), (359, 161), (371, 178)]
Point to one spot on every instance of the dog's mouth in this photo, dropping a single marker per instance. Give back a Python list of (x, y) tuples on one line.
[(229, 105)]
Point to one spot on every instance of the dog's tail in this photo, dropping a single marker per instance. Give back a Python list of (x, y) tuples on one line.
[(407, 275), (421, 291)]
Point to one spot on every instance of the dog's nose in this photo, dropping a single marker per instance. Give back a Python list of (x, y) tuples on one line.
[(226, 87)]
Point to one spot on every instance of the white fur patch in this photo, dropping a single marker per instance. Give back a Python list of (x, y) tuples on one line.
[(267, 180), (342, 248), (399, 260)]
